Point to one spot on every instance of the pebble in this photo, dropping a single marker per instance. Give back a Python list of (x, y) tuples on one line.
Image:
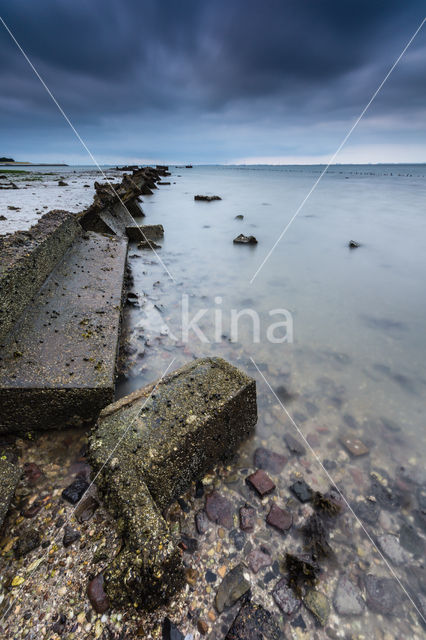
[(201, 522), (285, 598), (170, 631), (219, 509), (302, 491), (354, 446), (279, 518), (259, 559), (261, 483), (233, 586), (367, 510), (247, 518), (86, 509), (202, 627), (238, 538), (70, 536), (30, 539), (97, 596), (269, 460), (383, 594), (410, 540), (347, 598), (75, 490), (318, 604), (390, 546), (294, 446)]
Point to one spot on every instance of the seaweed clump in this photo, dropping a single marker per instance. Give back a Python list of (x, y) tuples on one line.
[(316, 536), (326, 504), (302, 573)]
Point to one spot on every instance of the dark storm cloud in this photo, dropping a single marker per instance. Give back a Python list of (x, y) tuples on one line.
[(215, 62)]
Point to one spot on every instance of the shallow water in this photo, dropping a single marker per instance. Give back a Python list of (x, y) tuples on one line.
[(355, 365)]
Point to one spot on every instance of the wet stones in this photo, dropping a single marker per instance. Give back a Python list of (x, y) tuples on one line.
[(302, 491), (261, 483), (285, 598), (347, 598), (242, 239), (318, 604), (367, 510), (253, 622), (74, 492), (259, 559), (392, 549), (180, 427), (29, 540), (97, 596), (201, 522), (247, 518), (233, 586), (383, 594), (294, 446), (279, 518), (70, 536), (170, 631), (219, 510), (355, 447), (269, 460), (9, 478)]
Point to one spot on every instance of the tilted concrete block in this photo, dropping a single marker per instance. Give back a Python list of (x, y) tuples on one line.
[(157, 441)]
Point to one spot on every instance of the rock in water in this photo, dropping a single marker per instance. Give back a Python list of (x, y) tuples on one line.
[(70, 536), (261, 483), (170, 631), (383, 594), (285, 598), (180, 428), (97, 596), (347, 598), (353, 244), (242, 239), (318, 605), (233, 586), (74, 492), (219, 509), (253, 622), (269, 460)]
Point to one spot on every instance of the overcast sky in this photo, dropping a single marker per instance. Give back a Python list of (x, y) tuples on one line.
[(213, 81)]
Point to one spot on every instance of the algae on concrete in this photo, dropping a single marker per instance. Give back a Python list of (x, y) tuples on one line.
[(148, 448), (9, 478)]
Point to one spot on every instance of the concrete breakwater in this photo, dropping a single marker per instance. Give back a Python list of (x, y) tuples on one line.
[(61, 287)]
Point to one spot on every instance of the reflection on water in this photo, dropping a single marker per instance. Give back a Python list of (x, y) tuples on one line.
[(354, 370)]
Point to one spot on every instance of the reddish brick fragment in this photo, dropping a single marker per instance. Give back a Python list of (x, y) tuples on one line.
[(261, 483), (278, 518)]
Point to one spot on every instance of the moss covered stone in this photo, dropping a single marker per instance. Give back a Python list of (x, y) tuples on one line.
[(155, 442)]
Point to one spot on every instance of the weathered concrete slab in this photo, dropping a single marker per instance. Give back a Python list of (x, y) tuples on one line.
[(9, 478), (144, 232), (26, 260), (58, 363), (195, 417)]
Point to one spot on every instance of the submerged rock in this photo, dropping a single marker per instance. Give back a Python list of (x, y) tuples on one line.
[(294, 446), (259, 559), (353, 244), (233, 586), (347, 598), (70, 536), (247, 518), (261, 483), (97, 596), (269, 460), (279, 518), (170, 631), (242, 239), (392, 549), (30, 539), (285, 598), (180, 428), (318, 604), (75, 491), (383, 594), (219, 509), (302, 491), (253, 622)]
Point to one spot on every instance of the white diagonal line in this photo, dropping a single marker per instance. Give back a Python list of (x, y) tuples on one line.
[(83, 143), (339, 148), (317, 458), (68, 518)]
